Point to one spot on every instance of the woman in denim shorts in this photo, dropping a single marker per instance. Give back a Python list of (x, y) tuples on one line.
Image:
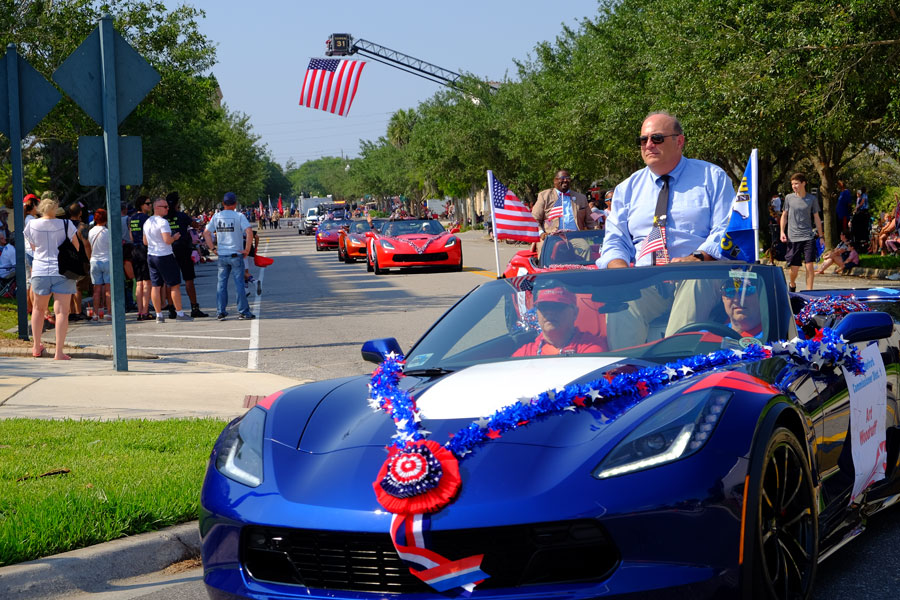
[(44, 235)]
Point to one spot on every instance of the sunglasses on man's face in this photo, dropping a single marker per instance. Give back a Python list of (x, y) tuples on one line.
[(656, 138), (731, 291)]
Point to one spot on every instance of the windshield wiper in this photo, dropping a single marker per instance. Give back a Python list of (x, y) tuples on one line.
[(428, 372)]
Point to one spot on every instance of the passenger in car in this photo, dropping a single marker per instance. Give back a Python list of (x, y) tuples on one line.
[(556, 313)]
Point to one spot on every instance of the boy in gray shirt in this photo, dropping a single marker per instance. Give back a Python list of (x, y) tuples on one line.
[(799, 213)]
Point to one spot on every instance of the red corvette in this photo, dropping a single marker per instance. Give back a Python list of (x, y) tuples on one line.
[(327, 234), (413, 243), (352, 239), (564, 250)]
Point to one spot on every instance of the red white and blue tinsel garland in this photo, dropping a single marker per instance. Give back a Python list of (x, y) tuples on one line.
[(836, 306), (420, 476)]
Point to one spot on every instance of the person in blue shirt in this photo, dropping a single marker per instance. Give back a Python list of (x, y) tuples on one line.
[(699, 198), (233, 241), (844, 207), (559, 208)]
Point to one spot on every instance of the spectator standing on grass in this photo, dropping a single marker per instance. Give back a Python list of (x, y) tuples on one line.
[(7, 257), (44, 235), (161, 259), (844, 208), (233, 241), (800, 223)]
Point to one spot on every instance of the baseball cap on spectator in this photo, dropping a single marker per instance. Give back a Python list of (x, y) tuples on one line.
[(559, 295), (29, 198), (229, 199)]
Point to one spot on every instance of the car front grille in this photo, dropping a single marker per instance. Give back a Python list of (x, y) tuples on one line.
[(419, 258), (518, 555)]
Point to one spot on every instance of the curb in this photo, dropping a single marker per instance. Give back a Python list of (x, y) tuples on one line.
[(101, 352), (89, 569), (867, 272)]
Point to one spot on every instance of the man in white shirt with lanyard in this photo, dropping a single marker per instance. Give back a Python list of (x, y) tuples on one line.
[(234, 238)]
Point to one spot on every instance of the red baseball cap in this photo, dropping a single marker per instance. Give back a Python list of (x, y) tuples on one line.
[(29, 198), (556, 294)]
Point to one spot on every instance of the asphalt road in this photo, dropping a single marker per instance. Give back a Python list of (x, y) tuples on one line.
[(315, 313)]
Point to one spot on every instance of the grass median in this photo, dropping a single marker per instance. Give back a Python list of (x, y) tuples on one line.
[(69, 484)]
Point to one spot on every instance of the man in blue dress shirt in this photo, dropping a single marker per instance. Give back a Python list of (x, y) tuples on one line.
[(699, 201)]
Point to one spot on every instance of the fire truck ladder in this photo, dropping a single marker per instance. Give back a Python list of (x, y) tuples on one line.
[(343, 44)]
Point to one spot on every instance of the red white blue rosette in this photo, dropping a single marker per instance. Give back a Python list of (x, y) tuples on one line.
[(421, 478)]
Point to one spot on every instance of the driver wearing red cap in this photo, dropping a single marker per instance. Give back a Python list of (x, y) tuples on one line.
[(556, 313)]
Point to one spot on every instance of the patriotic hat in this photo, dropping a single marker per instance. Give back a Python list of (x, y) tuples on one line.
[(29, 198), (556, 294)]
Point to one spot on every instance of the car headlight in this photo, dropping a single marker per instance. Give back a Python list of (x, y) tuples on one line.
[(356, 243), (240, 455), (678, 430), (386, 245), (450, 242)]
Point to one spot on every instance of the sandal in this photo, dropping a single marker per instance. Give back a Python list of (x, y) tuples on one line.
[(62, 357), (39, 352)]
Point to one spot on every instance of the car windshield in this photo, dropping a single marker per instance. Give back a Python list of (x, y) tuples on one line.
[(359, 227), (657, 314), (572, 248), (412, 226), (332, 224)]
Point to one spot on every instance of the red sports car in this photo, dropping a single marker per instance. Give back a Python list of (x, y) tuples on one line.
[(563, 250), (413, 243), (327, 234), (352, 239)]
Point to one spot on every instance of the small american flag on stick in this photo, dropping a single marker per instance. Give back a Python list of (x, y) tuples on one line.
[(330, 84)]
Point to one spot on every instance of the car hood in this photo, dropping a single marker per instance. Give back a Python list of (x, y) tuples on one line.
[(343, 419)]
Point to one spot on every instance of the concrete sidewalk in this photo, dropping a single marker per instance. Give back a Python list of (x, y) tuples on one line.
[(151, 389)]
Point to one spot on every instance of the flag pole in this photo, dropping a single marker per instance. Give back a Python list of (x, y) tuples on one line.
[(754, 199), (490, 191)]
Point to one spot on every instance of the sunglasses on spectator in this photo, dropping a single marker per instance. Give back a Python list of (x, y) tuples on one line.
[(731, 291), (564, 178), (656, 138)]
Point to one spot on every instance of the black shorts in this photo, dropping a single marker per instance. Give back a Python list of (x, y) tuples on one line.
[(185, 264), (164, 270), (139, 263), (801, 252)]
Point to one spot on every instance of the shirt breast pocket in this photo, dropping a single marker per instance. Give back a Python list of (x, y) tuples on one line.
[(690, 212)]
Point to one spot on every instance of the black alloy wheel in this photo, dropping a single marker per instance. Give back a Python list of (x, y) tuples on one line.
[(378, 270), (786, 535), (458, 267), (369, 264)]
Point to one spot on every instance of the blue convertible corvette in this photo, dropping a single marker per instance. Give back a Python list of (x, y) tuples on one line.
[(652, 432)]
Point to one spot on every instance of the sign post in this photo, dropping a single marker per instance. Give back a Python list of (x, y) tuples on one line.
[(107, 78), (25, 98)]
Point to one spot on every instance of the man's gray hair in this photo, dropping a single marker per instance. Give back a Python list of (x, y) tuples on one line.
[(676, 124)]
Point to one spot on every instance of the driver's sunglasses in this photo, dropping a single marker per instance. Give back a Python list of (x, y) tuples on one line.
[(656, 138), (730, 291)]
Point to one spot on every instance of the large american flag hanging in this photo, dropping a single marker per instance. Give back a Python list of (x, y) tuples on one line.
[(512, 219), (330, 84)]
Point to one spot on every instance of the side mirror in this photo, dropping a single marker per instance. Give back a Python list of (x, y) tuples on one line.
[(454, 229), (376, 350), (370, 234), (865, 326)]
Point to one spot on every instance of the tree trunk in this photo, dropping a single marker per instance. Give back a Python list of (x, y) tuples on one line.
[(826, 163)]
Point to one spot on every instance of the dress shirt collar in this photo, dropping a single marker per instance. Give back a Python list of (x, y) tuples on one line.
[(673, 174)]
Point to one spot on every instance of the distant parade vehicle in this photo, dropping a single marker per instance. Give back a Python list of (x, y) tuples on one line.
[(352, 239), (413, 243), (529, 447), (560, 250), (327, 233)]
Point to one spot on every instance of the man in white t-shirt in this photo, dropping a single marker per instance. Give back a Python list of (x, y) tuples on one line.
[(234, 238), (163, 267)]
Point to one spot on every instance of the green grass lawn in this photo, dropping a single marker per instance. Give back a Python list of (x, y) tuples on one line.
[(874, 261), (8, 317), (124, 477)]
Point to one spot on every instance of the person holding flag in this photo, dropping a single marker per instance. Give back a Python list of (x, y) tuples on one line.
[(673, 210), (559, 208)]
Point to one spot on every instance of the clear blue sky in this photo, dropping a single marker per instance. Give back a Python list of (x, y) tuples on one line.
[(264, 46)]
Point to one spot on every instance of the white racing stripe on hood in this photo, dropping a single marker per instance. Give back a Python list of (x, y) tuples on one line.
[(481, 390)]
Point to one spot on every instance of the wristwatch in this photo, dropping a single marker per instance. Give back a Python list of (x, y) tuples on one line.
[(699, 256)]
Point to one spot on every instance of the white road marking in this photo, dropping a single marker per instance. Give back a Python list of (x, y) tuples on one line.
[(193, 350), (196, 337), (253, 355)]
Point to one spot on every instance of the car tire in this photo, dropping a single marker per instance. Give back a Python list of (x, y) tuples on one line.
[(782, 544), (459, 267), (340, 255), (318, 247), (378, 270)]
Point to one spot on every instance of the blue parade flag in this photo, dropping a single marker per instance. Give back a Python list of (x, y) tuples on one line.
[(741, 240)]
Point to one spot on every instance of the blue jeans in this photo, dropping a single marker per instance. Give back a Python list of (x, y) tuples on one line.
[(233, 265)]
